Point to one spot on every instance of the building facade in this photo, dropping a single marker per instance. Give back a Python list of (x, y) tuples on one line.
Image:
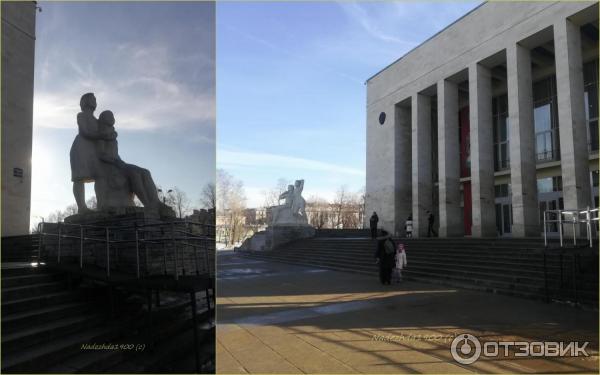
[(18, 48), (488, 123)]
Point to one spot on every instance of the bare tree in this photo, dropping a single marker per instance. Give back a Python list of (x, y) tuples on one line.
[(318, 211), (208, 196), (339, 202), (231, 203), (272, 195), (179, 201), (362, 206), (92, 203), (60, 215)]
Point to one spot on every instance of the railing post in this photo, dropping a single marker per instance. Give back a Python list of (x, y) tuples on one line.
[(41, 232), (206, 264), (107, 253), (59, 242), (162, 241), (175, 250), (81, 246), (560, 227), (137, 251), (546, 278), (575, 218), (588, 224), (545, 237)]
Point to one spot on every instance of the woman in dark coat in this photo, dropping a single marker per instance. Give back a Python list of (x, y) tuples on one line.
[(385, 254)]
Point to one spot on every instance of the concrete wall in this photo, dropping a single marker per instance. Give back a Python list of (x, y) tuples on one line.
[(486, 31), (18, 48)]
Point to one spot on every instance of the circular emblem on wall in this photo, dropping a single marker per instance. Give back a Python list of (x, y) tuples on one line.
[(381, 118)]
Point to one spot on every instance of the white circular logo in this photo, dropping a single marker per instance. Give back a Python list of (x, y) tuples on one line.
[(465, 349)]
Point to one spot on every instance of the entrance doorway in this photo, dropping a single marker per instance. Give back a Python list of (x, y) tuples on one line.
[(550, 201), (503, 209), (503, 218), (467, 207)]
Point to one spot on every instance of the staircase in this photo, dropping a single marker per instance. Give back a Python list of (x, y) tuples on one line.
[(20, 248), (506, 266), (45, 324)]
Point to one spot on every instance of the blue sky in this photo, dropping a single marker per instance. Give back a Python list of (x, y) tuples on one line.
[(152, 64), (290, 85)]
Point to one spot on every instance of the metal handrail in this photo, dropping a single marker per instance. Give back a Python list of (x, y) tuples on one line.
[(184, 237), (575, 219)]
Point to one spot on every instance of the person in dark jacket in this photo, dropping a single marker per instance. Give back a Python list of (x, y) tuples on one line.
[(373, 224), (385, 254), (430, 221)]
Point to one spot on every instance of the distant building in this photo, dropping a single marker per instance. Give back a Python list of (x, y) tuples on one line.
[(488, 123), (18, 48)]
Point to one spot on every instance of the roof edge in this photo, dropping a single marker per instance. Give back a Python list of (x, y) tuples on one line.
[(426, 40)]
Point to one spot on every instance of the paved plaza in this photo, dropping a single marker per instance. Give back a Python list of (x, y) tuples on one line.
[(280, 318)]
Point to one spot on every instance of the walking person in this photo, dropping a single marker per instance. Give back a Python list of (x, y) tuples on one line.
[(408, 227), (400, 262), (386, 251), (373, 224), (430, 221)]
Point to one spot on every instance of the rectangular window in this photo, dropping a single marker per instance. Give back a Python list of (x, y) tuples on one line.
[(502, 190), (549, 184), (501, 132), (545, 120), (590, 83), (544, 185)]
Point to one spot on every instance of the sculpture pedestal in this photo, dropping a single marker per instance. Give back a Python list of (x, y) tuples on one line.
[(276, 236)]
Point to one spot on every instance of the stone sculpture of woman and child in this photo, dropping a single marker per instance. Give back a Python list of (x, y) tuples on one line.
[(95, 158)]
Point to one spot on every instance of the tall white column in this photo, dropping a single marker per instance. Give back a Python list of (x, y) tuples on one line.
[(403, 175), (482, 146), (522, 142), (421, 163), (571, 116), (448, 160)]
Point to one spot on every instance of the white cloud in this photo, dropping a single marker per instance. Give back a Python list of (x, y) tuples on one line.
[(374, 24), (141, 90), (259, 160)]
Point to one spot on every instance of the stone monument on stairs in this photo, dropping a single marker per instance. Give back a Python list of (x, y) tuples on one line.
[(288, 222)]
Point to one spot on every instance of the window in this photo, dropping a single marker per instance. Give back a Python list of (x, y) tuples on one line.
[(501, 132), (545, 120), (590, 87), (501, 191), (549, 184)]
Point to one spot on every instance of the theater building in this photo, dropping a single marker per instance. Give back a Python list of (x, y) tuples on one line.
[(488, 123)]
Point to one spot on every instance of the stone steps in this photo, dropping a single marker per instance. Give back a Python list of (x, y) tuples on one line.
[(20, 320), (36, 302), (29, 279), (38, 358), (19, 248), (513, 267), (41, 333)]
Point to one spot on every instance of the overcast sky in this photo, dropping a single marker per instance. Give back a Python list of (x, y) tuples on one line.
[(152, 64), (290, 85)]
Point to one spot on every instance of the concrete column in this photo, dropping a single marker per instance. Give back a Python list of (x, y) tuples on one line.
[(381, 166), (482, 146), (571, 116), (403, 176), (448, 160), (522, 142), (421, 163)]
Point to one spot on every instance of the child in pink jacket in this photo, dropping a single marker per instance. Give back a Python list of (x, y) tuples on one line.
[(400, 261)]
